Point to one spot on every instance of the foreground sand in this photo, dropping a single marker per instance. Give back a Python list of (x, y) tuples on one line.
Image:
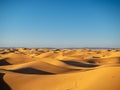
[(59, 69)]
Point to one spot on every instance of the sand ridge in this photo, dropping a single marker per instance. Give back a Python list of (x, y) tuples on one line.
[(59, 69)]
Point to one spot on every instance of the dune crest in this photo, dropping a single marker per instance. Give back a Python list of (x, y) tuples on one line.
[(59, 69)]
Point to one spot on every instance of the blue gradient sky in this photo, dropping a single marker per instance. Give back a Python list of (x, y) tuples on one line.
[(60, 23)]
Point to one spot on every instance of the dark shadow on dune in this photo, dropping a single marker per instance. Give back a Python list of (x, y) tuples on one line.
[(79, 64), (4, 62), (3, 85), (31, 71), (91, 61)]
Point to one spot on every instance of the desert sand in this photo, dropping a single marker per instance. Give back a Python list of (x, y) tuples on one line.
[(59, 69)]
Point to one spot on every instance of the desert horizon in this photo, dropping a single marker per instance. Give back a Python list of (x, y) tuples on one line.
[(59, 69), (59, 44), (99, 48)]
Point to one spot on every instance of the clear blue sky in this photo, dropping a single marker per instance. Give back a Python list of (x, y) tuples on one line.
[(60, 23)]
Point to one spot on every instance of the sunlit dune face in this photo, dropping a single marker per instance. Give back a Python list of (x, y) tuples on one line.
[(59, 69)]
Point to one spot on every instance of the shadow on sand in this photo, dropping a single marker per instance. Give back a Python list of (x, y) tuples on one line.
[(31, 71), (79, 64), (4, 62), (3, 85)]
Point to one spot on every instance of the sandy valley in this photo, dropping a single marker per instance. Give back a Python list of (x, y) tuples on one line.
[(59, 69)]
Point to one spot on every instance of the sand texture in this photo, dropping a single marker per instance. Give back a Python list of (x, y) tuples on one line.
[(59, 69)]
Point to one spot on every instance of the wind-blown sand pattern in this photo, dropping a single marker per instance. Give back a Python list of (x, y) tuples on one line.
[(59, 69)]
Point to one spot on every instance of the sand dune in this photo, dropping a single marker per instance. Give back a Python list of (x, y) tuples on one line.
[(59, 69)]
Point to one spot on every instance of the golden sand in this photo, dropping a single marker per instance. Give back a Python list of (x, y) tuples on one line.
[(59, 69)]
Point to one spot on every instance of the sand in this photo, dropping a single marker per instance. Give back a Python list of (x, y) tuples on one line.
[(59, 69)]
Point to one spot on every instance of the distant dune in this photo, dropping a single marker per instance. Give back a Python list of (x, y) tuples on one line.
[(59, 69)]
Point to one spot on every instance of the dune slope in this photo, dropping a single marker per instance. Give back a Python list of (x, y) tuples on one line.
[(59, 69)]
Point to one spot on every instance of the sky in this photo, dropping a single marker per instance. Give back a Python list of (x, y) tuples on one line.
[(60, 23)]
